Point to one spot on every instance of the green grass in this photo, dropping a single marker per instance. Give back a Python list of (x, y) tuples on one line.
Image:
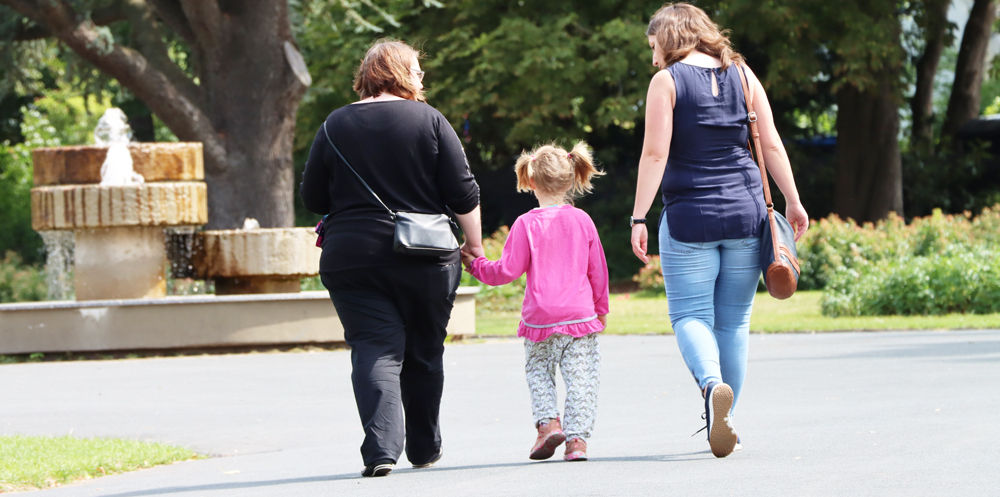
[(28, 463), (638, 314)]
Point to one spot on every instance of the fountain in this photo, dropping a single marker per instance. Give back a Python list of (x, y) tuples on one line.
[(116, 215)]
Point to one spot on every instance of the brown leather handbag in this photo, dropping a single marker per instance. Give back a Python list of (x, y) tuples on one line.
[(778, 258)]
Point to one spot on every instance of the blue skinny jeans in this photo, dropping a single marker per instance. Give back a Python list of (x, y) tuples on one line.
[(710, 290)]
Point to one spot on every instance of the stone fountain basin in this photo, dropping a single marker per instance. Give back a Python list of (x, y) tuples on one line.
[(81, 165), (66, 207), (265, 252), (184, 322)]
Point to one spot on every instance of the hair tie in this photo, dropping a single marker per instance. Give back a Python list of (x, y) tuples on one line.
[(569, 156), (532, 158)]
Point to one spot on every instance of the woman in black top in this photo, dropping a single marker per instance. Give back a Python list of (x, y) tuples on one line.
[(394, 307)]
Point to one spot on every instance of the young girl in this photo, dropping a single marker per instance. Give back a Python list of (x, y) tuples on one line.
[(566, 298)]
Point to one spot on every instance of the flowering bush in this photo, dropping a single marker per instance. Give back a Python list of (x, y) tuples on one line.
[(832, 245), (937, 264), (650, 277)]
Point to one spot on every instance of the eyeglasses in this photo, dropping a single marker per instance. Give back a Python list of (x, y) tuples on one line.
[(420, 74)]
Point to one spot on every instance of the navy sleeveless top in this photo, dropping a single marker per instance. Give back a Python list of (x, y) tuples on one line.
[(711, 187)]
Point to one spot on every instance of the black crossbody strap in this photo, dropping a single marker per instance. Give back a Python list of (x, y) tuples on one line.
[(335, 149)]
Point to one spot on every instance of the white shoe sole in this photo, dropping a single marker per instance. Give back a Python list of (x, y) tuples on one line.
[(721, 436)]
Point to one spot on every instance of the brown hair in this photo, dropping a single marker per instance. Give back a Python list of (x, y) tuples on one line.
[(555, 171), (681, 27), (386, 69)]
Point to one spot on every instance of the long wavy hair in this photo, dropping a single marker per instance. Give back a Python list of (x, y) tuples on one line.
[(681, 28)]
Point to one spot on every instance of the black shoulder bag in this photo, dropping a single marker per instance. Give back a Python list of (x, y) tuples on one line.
[(416, 233)]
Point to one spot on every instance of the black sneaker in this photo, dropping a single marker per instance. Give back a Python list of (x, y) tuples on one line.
[(436, 458), (378, 469), (721, 434)]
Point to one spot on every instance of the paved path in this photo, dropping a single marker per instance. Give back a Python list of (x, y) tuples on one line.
[(895, 413)]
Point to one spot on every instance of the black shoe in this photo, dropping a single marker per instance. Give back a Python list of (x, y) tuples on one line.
[(436, 458), (721, 434), (377, 469)]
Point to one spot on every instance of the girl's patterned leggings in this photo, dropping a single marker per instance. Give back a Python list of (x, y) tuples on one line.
[(579, 360)]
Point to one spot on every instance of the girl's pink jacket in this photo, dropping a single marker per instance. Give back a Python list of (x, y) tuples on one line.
[(567, 285)]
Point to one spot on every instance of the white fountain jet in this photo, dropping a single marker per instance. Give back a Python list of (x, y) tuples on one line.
[(113, 129)]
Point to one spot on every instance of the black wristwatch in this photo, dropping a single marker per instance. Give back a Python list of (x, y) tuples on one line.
[(632, 221)]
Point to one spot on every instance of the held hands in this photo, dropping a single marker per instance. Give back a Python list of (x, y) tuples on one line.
[(640, 238), (797, 217), (470, 253)]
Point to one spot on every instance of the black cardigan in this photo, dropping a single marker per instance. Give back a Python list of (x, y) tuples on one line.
[(409, 155)]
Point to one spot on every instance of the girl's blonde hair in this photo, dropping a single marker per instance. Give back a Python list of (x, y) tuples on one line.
[(681, 28), (554, 171)]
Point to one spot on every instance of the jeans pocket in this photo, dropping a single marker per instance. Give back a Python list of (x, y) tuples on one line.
[(753, 243), (682, 247)]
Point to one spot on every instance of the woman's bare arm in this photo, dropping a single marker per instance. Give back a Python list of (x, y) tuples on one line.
[(775, 157), (660, 101), (471, 225)]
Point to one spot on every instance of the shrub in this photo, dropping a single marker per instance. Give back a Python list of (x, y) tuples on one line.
[(832, 245), (961, 280), (20, 282), (650, 277)]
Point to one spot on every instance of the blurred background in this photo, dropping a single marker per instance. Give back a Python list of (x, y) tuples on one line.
[(884, 106)]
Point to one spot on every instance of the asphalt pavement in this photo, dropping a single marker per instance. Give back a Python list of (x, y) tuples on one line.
[(888, 413)]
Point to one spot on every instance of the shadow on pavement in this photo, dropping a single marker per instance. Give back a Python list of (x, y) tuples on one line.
[(400, 472)]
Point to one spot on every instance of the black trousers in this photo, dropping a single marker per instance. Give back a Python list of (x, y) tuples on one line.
[(394, 319)]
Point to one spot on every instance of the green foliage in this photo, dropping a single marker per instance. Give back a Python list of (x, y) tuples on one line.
[(936, 265), (59, 117), (29, 463), (832, 246), (953, 282), (811, 46), (20, 282), (950, 181)]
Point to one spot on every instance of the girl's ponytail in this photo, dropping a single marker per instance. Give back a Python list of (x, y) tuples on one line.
[(583, 169), (524, 171)]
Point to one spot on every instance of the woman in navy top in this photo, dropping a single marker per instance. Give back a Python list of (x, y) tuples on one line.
[(695, 150)]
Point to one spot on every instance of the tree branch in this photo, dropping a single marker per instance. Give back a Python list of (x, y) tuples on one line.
[(32, 32), (102, 17), (132, 70), (173, 16), (149, 40)]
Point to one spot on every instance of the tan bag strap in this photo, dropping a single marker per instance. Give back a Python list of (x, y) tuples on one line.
[(756, 151), (755, 136)]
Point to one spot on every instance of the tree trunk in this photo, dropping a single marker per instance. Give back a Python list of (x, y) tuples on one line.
[(869, 171), (922, 105), (970, 67), (252, 107)]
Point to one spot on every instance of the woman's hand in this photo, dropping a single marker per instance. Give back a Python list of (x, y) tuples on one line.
[(476, 250), (471, 252), (796, 215), (467, 260), (640, 238)]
